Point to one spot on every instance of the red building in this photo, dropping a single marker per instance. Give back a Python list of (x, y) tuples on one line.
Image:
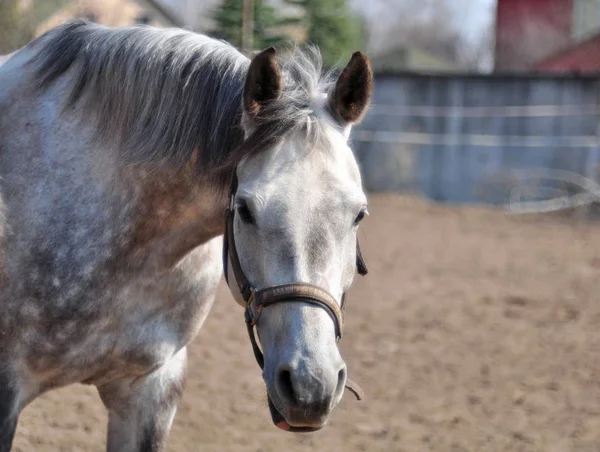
[(579, 57), (556, 35)]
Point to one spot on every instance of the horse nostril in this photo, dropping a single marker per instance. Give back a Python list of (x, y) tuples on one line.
[(285, 386), (341, 380)]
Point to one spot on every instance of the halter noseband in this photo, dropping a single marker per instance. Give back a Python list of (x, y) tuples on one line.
[(254, 301)]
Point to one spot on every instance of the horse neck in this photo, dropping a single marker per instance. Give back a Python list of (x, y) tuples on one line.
[(176, 211)]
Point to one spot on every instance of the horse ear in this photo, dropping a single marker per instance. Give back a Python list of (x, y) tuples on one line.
[(263, 82), (351, 95)]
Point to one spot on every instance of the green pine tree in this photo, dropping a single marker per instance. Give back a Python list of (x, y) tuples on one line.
[(333, 27), (228, 19)]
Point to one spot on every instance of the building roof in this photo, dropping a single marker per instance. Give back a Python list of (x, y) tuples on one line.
[(581, 56)]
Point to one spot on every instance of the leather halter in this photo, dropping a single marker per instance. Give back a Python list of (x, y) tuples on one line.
[(254, 301)]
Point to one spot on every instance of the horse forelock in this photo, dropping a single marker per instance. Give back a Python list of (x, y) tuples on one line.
[(173, 95)]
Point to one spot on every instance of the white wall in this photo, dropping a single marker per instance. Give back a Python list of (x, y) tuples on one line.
[(586, 18), (196, 14)]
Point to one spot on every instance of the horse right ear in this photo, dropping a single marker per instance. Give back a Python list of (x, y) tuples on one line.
[(349, 99), (263, 82)]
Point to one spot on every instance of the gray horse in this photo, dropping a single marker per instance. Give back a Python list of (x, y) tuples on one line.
[(117, 151)]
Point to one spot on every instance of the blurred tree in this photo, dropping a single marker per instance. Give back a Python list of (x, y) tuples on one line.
[(18, 24), (228, 20), (12, 33), (435, 26), (332, 26)]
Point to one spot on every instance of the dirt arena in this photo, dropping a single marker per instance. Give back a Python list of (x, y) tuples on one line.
[(475, 331)]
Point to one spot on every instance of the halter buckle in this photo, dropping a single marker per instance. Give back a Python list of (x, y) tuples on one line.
[(248, 294), (250, 315)]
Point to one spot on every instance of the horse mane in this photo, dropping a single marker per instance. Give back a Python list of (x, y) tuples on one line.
[(162, 94)]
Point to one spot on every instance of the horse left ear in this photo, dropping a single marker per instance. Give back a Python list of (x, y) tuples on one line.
[(263, 82), (351, 95)]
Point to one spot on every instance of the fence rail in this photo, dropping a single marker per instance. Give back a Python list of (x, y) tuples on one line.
[(481, 140), (507, 111)]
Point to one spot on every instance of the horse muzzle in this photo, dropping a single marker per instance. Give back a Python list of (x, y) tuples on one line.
[(302, 393)]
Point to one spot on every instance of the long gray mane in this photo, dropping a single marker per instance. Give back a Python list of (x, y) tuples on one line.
[(161, 94)]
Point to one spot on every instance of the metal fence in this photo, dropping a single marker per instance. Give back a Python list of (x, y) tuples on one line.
[(471, 138)]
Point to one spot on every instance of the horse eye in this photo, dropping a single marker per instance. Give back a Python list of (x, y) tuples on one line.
[(244, 212), (360, 216)]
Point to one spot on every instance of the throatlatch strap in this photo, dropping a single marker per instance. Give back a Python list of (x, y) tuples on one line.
[(258, 355)]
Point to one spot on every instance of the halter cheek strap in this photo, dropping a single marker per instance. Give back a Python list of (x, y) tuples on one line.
[(254, 301)]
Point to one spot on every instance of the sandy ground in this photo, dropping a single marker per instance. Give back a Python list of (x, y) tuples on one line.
[(475, 331)]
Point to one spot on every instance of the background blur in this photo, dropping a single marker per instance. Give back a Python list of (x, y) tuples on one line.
[(477, 329)]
